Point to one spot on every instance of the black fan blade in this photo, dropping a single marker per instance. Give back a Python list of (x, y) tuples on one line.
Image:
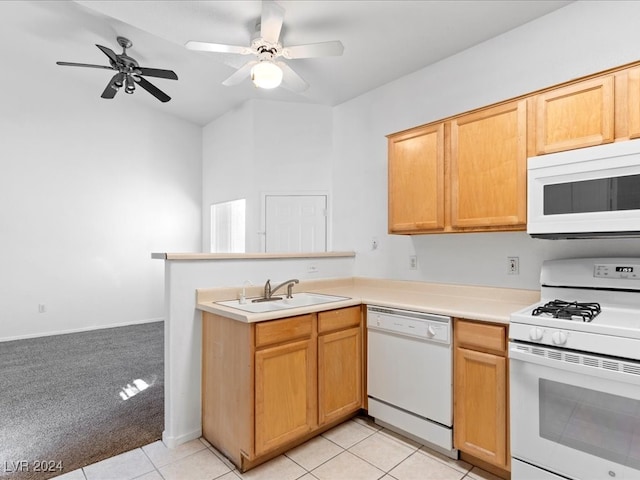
[(157, 72), (111, 89), (152, 89), (72, 64), (109, 53)]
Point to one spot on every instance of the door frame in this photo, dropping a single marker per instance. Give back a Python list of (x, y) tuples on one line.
[(292, 193)]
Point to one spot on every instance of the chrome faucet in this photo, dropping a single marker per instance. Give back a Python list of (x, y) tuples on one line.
[(268, 291)]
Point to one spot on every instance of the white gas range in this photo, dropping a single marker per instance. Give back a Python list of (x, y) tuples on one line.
[(575, 373)]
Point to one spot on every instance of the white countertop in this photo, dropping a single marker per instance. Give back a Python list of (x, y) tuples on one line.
[(489, 304)]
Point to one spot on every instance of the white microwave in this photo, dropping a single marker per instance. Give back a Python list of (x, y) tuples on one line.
[(590, 192)]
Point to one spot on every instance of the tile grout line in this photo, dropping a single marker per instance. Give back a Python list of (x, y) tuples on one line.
[(386, 472), (369, 433), (319, 465), (418, 449), (157, 469)]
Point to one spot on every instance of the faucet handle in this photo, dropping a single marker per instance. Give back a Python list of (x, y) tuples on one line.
[(290, 289)]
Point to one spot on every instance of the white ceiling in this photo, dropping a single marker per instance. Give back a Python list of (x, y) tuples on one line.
[(383, 41)]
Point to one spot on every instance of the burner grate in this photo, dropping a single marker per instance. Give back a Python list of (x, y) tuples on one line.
[(585, 311)]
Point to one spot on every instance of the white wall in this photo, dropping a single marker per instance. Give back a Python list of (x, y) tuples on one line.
[(582, 38), (265, 147), (88, 189)]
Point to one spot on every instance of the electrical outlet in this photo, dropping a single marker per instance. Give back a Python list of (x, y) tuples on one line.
[(312, 268), (42, 308), (413, 262), (513, 265)]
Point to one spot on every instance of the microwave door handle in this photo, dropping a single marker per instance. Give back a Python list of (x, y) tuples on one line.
[(572, 362)]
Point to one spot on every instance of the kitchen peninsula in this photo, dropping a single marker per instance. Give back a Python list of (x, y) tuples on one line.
[(222, 277)]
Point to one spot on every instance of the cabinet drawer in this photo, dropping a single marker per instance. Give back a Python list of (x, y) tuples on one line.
[(483, 336), (338, 319), (285, 330)]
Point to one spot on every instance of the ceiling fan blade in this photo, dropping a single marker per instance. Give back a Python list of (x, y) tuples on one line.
[(109, 53), (271, 21), (216, 47), (242, 73), (111, 90), (291, 80), (72, 64), (322, 49), (158, 73), (152, 89)]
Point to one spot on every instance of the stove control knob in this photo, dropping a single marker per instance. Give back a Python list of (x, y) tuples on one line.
[(559, 338), (536, 334)]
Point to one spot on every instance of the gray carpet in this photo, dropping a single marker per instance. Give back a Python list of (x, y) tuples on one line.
[(62, 398)]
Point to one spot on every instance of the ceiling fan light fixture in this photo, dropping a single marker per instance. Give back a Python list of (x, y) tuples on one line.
[(266, 74), (130, 85), (119, 81)]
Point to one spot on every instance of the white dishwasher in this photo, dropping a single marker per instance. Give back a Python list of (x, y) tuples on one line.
[(409, 375)]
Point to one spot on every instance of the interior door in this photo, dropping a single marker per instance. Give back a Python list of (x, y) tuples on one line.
[(295, 223)]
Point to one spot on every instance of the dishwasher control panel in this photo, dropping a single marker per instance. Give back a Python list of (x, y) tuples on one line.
[(425, 326)]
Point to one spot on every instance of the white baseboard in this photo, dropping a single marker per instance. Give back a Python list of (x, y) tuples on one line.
[(84, 329), (173, 442)]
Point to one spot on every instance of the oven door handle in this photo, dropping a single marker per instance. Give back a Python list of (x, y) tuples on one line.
[(609, 368)]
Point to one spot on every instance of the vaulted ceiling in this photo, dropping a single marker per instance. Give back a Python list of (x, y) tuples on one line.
[(383, 41)]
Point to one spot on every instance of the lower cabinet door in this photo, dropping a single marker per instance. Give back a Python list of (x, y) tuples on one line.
[(339, 374), (285, 394), (480, 415)]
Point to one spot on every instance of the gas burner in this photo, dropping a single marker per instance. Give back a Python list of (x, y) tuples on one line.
[(568, 310)]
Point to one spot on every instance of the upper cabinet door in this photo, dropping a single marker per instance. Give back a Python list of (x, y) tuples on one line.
[(633, 92), (416, 180), (575, 116), (489, 168)]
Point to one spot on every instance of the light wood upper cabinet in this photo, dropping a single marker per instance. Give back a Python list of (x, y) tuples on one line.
[(467, 173), (633, 101), (578, 115), (489, 167), (481, 418), (416, 180)]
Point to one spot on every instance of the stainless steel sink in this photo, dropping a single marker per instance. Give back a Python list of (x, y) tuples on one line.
[(303, 299)]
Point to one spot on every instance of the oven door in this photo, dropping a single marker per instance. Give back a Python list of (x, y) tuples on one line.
[(574, 414)]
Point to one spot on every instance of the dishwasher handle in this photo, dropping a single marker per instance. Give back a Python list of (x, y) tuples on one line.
[(424, 327), (409, 314)]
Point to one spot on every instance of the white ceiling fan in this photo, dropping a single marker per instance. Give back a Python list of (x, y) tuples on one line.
[(266, 71)]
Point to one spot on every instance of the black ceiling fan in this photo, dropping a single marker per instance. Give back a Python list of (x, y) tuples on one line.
[(129, 72)]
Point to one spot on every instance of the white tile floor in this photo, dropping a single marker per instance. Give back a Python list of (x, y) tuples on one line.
[(354, 450)]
